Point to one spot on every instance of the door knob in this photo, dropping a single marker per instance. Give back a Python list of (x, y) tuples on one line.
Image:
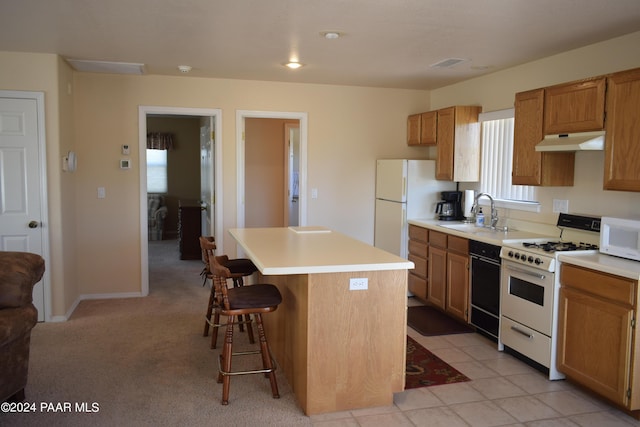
[(33, 224)]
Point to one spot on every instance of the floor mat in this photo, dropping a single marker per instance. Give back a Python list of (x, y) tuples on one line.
[(425, 369), (430, 321)]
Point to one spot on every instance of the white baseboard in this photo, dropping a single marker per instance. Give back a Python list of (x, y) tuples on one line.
[(92, 297)]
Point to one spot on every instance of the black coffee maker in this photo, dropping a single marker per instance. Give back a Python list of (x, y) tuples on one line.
[(450, 208)]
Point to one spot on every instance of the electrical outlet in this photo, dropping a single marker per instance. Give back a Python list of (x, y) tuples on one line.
[(561, 206), (359, 284)]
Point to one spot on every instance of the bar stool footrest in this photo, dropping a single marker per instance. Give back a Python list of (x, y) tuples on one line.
[(251, 372)]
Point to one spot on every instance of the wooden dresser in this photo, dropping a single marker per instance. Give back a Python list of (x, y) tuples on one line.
[(189, 224)]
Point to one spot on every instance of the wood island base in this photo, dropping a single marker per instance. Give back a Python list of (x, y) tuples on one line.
[(340, 349)]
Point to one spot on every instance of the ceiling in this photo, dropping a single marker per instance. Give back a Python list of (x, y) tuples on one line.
[(383, 43)]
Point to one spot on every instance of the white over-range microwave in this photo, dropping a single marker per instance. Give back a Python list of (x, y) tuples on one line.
[(620, 237)]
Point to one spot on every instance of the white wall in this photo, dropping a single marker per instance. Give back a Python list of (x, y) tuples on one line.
[(497, 91)]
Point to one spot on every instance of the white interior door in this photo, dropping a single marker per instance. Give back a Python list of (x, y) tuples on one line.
[(21, 207), (207, 176)]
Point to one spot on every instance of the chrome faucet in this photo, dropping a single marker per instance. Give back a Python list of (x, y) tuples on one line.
[(494, 211)]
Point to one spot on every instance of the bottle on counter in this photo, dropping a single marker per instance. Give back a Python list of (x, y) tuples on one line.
[(479, 218)]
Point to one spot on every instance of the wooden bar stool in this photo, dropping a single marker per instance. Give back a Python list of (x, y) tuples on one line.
[(253, 300), (239, 268)]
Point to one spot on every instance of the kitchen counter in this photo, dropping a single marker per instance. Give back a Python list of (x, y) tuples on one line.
[(470, 231), (310, 250), (340, 342), (604, 263)]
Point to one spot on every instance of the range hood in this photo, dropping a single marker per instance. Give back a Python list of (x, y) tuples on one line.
[(572, 142)]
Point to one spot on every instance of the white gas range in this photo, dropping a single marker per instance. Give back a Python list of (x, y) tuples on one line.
[(530, 291)]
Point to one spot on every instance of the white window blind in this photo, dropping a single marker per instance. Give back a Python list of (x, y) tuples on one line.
[(156, 171), (497, 152)]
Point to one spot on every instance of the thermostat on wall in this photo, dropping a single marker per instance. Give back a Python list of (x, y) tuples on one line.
[(125, 149), (125, 164)]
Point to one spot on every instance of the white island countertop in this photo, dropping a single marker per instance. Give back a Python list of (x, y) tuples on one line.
[(310, 250)]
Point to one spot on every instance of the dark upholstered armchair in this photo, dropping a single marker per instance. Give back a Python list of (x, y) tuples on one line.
[(19, 271)]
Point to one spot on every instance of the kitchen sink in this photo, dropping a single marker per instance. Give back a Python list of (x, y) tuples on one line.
[(472, 229), (467, 228)]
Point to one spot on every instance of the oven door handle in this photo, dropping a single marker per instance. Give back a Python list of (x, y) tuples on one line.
[(530, 273), (520, 331)]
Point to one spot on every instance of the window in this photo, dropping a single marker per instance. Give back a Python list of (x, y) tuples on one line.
[(156, 171), (497, 152)]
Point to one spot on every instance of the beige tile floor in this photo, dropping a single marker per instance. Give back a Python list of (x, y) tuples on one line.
[(503, 391)]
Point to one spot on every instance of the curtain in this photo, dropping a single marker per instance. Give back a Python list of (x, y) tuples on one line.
[(159, 141)]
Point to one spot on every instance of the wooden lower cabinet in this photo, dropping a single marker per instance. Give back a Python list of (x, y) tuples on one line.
[(437, 276), (596, 335), (449, 274), (417, 283)]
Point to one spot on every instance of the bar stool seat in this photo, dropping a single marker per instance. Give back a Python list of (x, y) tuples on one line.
[(253, 300), (238, 268)]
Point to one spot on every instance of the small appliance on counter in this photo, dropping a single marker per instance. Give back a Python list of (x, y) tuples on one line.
[(450, 208), (620, 237)]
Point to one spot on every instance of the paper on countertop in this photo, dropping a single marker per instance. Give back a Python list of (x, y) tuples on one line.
[(468, 202), (310, 229)]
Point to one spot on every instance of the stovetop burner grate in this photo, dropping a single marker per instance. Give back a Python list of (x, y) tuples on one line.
[(560, 246)]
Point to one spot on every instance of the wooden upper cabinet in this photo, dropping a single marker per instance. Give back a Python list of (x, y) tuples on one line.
[(428, 128), (458, 145), (421, 128), (622, 141), (531, 167), (575, 107), (413, 129), (444, 161)]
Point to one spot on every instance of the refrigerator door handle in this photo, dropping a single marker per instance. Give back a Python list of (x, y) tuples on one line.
[(404, 188)]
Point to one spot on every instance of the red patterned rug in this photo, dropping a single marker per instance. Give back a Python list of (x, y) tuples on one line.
[(425, 369)]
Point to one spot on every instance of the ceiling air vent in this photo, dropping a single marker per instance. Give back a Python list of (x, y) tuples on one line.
[(447, 63), (106, 66)]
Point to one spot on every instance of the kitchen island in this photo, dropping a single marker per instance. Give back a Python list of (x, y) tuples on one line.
[(339, 335)]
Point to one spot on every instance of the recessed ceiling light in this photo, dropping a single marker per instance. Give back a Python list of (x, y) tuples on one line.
[(294, 65), (330, 35), (184, 68)]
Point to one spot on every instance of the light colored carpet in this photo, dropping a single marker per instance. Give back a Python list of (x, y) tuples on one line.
[(144, 361)]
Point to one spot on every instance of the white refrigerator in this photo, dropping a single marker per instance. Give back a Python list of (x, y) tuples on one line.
[(405, 189)]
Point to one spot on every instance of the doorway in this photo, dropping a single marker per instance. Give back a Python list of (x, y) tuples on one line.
[(210, 175), (244, 191)]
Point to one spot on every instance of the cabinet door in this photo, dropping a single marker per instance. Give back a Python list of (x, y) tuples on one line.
[(446, 129), (531, 167), (458, 286), (428, 128), (622, 144), (437, 276), (594, 343), (413, 129), (466, 145), (574, 107), (527, 132)]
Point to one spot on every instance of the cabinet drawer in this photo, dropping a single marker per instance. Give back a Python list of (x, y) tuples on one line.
[(421, 265), (417, 286), (418, 248), (535, 345), (418, 233), (615, 288), (458, 244), (438, 239)]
